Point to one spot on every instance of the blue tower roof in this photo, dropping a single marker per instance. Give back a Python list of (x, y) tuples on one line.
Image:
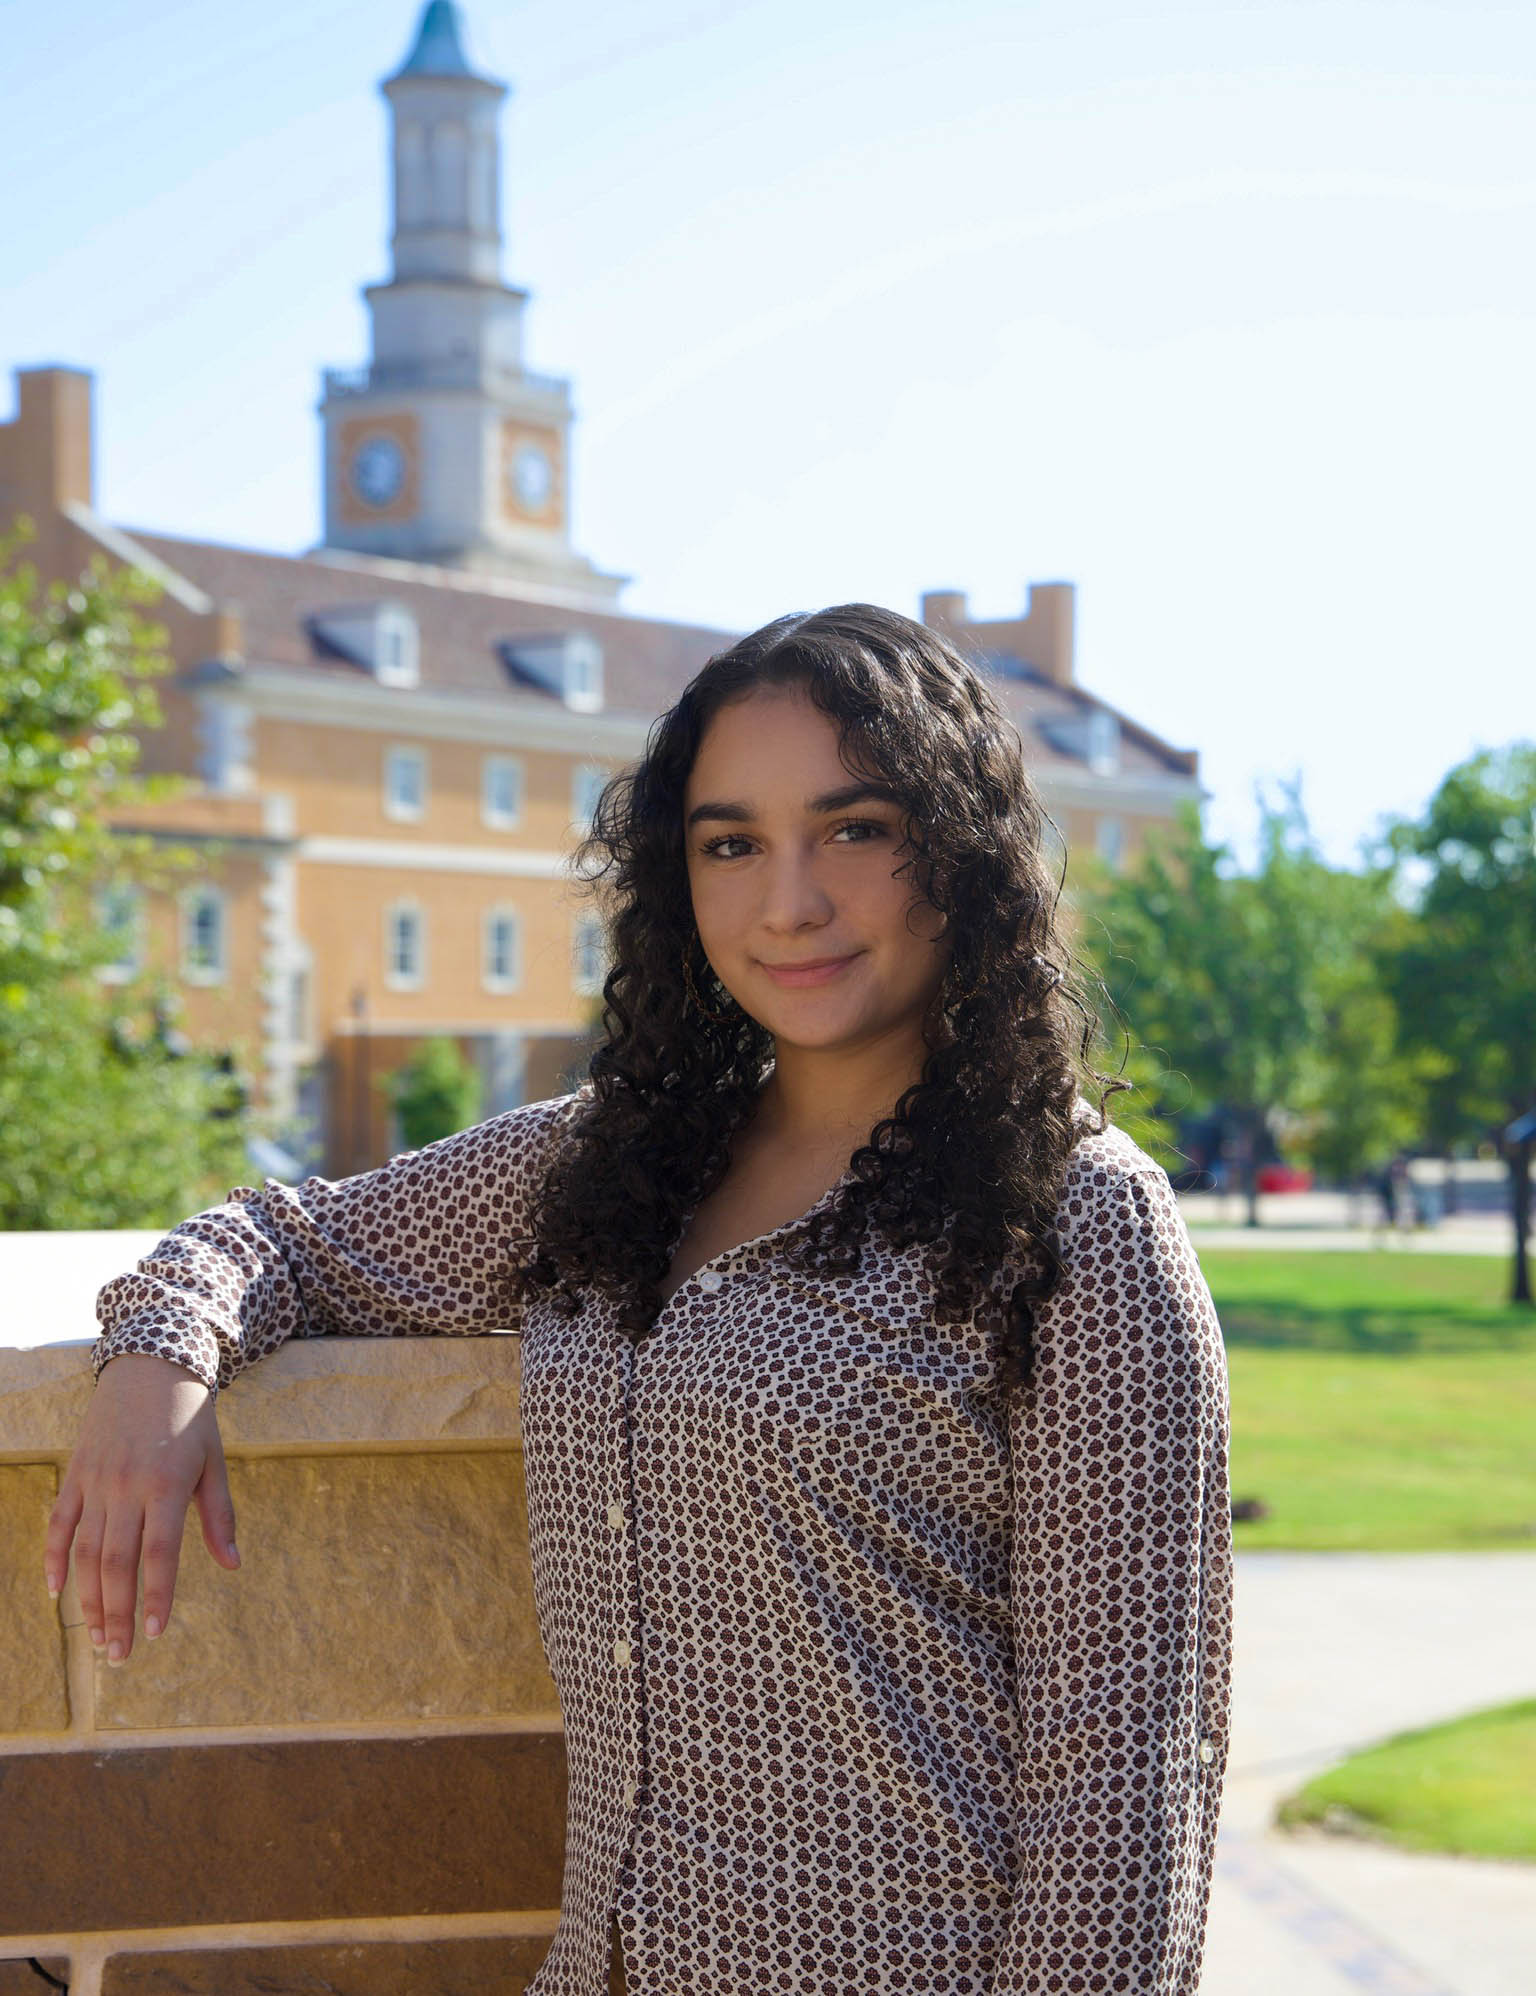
[(439, 46)]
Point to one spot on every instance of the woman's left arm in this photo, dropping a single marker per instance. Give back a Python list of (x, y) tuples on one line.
[(1122, 1601)]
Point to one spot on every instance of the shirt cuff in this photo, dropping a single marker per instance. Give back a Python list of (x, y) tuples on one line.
[(156, 1334)]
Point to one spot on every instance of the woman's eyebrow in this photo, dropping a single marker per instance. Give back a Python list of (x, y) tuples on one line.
[(829, 800)]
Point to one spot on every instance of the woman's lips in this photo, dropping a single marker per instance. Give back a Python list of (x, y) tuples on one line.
[(819, 971)]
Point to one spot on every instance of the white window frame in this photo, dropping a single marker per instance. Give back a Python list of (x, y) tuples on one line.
[(401, 980), (130, 901), (191, 900), (587, 781), (402, 811), (491, 813), (587, 934), (490, 977)]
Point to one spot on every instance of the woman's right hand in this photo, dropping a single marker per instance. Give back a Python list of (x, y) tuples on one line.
[(148, 1448)]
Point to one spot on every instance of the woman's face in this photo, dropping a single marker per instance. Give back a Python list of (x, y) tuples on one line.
[(792, 863)]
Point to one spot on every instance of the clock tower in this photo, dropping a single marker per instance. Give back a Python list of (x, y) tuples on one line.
[(445, 449)]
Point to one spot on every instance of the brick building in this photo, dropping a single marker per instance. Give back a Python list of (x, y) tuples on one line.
[(396, 735)]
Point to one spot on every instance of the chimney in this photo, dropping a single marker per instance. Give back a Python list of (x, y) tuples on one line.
[(1050, 617), (945, 609), (45, 450)]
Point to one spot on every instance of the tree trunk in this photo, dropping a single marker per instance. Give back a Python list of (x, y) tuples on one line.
[(1520, 1200)]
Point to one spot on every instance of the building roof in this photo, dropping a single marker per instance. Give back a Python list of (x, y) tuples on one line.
[(465, 619)]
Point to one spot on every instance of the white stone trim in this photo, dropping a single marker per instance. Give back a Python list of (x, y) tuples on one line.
[(293, 695), (400, 854), (282, 955), (532, 1029)]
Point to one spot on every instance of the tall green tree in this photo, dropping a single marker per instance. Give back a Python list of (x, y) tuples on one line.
[(106, 1118), (1463, 965), (1257, 991), (1364, 1090), (434, 1093)]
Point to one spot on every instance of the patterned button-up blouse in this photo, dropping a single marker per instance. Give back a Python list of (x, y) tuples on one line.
[(872, 1678)]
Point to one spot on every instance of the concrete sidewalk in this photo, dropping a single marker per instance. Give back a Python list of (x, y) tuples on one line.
[(1334, 1651), (1336, 1220)]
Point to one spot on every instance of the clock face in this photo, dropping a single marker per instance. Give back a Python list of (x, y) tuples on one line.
[(532, 477), (378, 471)]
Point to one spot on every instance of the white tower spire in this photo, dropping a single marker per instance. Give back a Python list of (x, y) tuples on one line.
[(445, 449), (447, 157)]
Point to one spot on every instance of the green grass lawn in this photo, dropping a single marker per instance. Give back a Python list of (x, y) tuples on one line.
[(1379, 1400), (1467, 1786)]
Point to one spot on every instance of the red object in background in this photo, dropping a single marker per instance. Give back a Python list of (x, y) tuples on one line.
[(1284, 1178)]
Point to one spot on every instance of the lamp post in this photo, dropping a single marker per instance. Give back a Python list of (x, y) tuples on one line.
[(1518, 1138)]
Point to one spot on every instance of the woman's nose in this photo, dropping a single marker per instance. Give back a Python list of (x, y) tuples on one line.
[(793, 894)]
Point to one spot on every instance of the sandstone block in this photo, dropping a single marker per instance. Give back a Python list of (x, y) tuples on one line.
[(20, 1978), (375, 1968), (319, 1829), (371, 1587), (34, 1694)]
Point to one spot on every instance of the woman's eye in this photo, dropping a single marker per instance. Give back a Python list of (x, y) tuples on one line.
[(715, 848)]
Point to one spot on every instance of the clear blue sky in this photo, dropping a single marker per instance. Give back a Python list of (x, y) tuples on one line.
[(1225, 312)]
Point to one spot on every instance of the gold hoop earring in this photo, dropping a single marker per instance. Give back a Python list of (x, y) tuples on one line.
[(720, 1018), (958, 998)]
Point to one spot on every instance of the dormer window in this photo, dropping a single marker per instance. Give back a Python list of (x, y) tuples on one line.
[(1103, 742), (382, 638), (397, 648), (1092, 737), (569, 665)]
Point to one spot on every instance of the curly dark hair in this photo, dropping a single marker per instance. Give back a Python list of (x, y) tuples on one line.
[(972, 1159)]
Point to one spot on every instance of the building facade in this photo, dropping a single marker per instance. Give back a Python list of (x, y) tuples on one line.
[(394, 739)]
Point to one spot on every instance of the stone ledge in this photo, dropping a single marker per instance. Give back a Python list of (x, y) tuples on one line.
[(313, 1393)]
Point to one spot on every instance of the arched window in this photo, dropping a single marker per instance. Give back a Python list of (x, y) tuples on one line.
[(203, 938), (410, 176), (405, 946), (589, 956), (120, 911), (449, 173), (501, 792), (502, 967)]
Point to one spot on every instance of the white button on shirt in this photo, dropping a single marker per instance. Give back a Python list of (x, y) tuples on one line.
[(621, 1652), (616, 1516), (711, 1280)]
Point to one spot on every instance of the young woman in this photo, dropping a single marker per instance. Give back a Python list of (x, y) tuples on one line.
[(874, 1408)]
